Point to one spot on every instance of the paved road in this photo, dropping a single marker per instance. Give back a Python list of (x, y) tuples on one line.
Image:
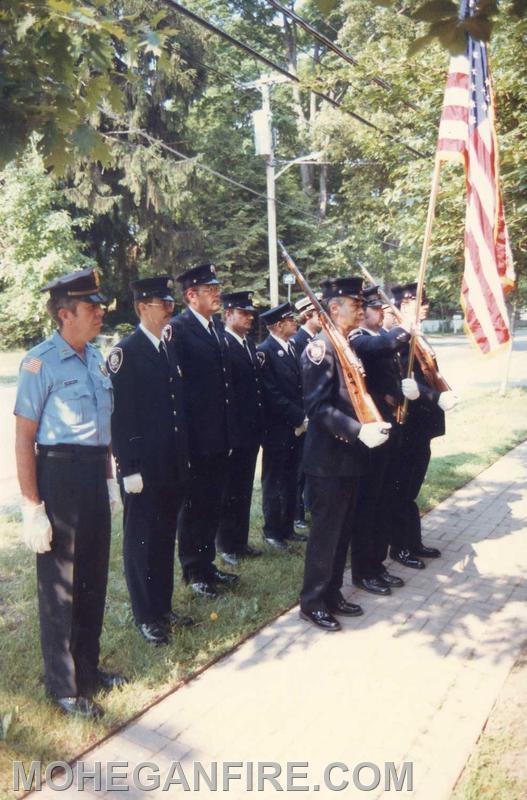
[(410, 682), (465, 370)]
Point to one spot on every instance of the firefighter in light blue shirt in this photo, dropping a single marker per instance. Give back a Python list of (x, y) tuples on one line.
[(63, 409)]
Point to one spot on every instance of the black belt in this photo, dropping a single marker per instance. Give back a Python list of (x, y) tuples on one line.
[(72, 452)]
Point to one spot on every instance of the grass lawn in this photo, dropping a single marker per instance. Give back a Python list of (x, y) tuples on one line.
[(479, 431)]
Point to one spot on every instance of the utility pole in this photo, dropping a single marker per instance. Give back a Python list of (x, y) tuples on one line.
[(264, 146)]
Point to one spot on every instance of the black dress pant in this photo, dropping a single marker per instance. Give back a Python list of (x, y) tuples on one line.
[(233, 530), (368, 541), (413, 460), (302, 498), (150, 526), (279, 480), (332, 522), (200, 516), (72, 576)]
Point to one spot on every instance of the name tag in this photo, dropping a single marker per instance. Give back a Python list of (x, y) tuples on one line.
[(71, 382)]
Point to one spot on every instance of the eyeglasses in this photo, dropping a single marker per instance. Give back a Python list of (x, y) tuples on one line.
[(215, 289), (164, 304)]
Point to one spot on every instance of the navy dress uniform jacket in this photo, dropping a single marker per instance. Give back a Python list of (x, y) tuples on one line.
[(209, 400), (331, 446), (248, 393), (148, 428), (300, 340), (284, 407), (380, 357), (149, 437)]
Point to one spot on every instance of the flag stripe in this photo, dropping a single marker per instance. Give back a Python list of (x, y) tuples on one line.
[(467, 131)]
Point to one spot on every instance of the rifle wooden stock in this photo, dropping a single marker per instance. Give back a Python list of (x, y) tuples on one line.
[(352, 369)]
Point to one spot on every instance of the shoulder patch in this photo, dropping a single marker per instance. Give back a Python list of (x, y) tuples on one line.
[(167, 332), (115, 359), (32, 365), (316, 350), (260, 355), (355, 333)]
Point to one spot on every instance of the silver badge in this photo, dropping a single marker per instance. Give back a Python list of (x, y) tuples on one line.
[(316, 350), (115, 359), (261, 357), (281, 353), (103, 369), (167, 332)]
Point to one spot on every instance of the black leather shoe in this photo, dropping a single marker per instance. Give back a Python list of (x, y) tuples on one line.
[(407, 559), (230, 558), (426, 552), (203, 589), (223, 578), (342, 606), (296, 537), (154, 633), (390, 580), (248, 551), (79, 707), (322, 619), (372, 585), (109, 680), (175, 620), (278, 544), (301, 524)]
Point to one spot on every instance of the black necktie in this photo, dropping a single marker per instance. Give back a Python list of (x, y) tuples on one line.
[(163, 351), (291, 351), (212, 331), (246, 348)]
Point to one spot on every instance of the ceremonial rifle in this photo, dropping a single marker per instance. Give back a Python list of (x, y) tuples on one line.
[(352, 369), (424, 351)]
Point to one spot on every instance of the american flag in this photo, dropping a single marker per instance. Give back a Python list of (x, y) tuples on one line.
[(467, 133)]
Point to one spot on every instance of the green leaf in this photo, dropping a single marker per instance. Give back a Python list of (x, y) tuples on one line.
[(479, 28), (418, 44), (152, 43), (435, 10), (326, 6), (24, 25)]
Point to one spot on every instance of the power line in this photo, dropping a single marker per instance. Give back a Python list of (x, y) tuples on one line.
[(349, 59), (289, 75), (159, 142)]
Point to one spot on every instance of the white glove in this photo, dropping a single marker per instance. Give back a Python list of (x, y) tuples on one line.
[(447, 400), (372, 434), (410, 388), (301, 428), (114, 495), (133, 484), (36, 528)]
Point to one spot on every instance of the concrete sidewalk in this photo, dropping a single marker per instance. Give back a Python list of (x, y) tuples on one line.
[(412, 681)]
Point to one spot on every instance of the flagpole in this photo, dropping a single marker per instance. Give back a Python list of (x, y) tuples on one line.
[(505, 379), (422, 272)]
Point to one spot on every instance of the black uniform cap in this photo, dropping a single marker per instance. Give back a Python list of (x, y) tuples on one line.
[(342, 287), (406, 291), (160, 286), (277, 314), (81, 285), (241, 300), (201, 275), (372, 298)]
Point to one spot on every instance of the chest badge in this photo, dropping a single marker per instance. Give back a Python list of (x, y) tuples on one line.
[(115, 359), (316, 350), (261, 357), (281, 353), (167, 332), (103, 369)]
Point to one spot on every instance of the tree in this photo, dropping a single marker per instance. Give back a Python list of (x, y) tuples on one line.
[(38, 242)]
